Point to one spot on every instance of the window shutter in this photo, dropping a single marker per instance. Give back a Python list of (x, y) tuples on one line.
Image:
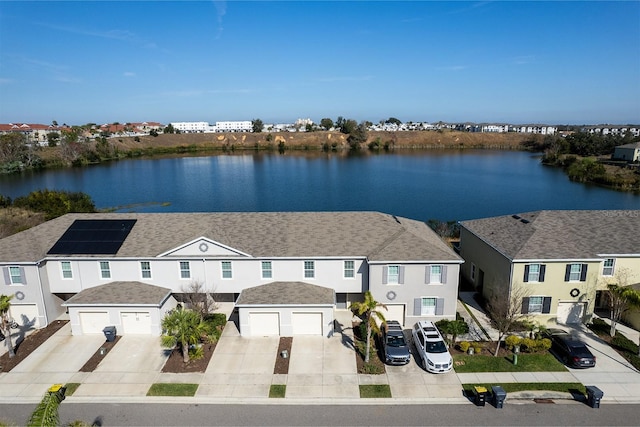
[(401, 275), (543, 268), (525, 305), (7, 276), (443, 274), (583, 272), (567, 272), (439, 306), (526, 273), (23, 277), (385, 275), (417, 306), (546, 305), (427, 274)]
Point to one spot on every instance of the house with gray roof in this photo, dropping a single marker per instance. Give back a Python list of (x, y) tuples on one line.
[(627, 152), (560, 262), (285, 271)]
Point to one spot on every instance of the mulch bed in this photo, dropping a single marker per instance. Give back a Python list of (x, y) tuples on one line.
[(375, 361), (28, 345), (282, 364), (176, 365), (95, 360)]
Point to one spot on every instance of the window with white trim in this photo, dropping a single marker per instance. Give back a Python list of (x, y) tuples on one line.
[(608, 267), (428, 307), (15, 276), (534, 273), (267, 270), (67, 273), (393, 274), (349, 269), (309, 269), (535, 304), (436, 274), (145, 269), (185, 270), (105, 270), (575, 271), (227, 272)]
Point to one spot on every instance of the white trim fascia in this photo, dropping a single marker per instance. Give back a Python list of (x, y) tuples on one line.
[(534, 260), (284, 305), (422, 262), (619, 255), (213, 242), (105, 305)]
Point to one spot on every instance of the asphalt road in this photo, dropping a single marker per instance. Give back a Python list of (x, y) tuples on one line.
[(149, 414)]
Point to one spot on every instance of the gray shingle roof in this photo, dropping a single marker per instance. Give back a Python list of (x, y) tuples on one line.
[(121, 293), (631, 145), (378, 236), (286, 293), (571, 234)]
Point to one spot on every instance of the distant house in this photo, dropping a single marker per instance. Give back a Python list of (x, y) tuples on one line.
[(627, 152), (558, 261)]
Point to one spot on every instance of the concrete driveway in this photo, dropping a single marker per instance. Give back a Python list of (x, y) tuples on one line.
[(57, 360), (616, 377), (129, 369)]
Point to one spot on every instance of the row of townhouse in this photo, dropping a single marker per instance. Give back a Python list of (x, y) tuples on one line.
[(34, 132), (612, 130), (288, 272), (205, 127)]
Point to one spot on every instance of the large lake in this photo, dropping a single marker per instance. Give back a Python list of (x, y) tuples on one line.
[(442, 184)]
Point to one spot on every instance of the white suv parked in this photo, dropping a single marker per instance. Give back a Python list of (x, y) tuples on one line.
[(431, 347)]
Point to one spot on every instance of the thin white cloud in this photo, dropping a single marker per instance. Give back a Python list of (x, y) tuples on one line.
[(115, 34), (453, 68), (524, 59), (129, 74), (221, 10), (192, 93), (5, 81), (54, 71)]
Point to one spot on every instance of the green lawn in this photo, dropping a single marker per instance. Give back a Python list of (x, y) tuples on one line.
[(513, 387), (277, 390), (375, 390), (463, 363), (172, 389)]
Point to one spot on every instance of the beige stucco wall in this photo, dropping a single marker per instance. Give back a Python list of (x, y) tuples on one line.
[(496, 267)]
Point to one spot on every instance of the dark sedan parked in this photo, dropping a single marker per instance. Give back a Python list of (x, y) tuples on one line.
[(569, 349)]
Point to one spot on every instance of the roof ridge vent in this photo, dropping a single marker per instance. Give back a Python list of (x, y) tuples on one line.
[(515, 216), (524, 221)]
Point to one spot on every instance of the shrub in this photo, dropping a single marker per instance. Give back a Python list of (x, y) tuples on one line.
[(512, 340), (464, 346), (624, 343), (544, 344), (477, 347), (528, 345)]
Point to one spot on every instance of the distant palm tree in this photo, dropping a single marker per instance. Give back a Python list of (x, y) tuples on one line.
[(184, 327), (367, 310), (5, 323), (46, 413)]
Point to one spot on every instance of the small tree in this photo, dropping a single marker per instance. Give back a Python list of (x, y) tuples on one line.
[(326, 123), (5, 304), (367, 311), (257, 125), (454, 328), (198, 299), (622, 297), (505, 310), (183, 327)]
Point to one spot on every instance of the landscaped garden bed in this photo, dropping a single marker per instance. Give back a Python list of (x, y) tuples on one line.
[(28, 345), (282, 363), (375, 364), (620, 343), (97, 357)]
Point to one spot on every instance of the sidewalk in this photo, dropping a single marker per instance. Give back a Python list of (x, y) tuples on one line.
[(480, 328)]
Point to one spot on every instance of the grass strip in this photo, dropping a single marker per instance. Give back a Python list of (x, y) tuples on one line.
[(71, 388), (172, 389), (572, 388), (475, 319), (375, 391), (277, 391), (463, 363)]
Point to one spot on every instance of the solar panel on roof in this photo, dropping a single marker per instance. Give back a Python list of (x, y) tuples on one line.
[(93, 236)]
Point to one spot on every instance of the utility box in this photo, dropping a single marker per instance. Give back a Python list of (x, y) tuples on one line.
[(110, 333), (499, 396), (58, 390), (594, 395), (480, 395)]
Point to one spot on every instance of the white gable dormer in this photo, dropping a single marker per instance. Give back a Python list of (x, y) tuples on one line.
[(203, 247)]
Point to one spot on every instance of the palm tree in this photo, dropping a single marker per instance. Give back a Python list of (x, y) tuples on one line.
[(184, 327), (46, 413), (367, 310), (5, 328), (622, 298)]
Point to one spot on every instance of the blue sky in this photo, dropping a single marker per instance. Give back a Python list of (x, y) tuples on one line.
[(494, 61)]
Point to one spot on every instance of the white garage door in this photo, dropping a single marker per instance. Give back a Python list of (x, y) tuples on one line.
[(306, 323), (136, 323), (394, 312), (263, 324), (25, 314), (93, 322), (570, 312)]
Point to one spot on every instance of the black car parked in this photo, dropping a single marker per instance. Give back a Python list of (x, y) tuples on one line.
[(569, 349)]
